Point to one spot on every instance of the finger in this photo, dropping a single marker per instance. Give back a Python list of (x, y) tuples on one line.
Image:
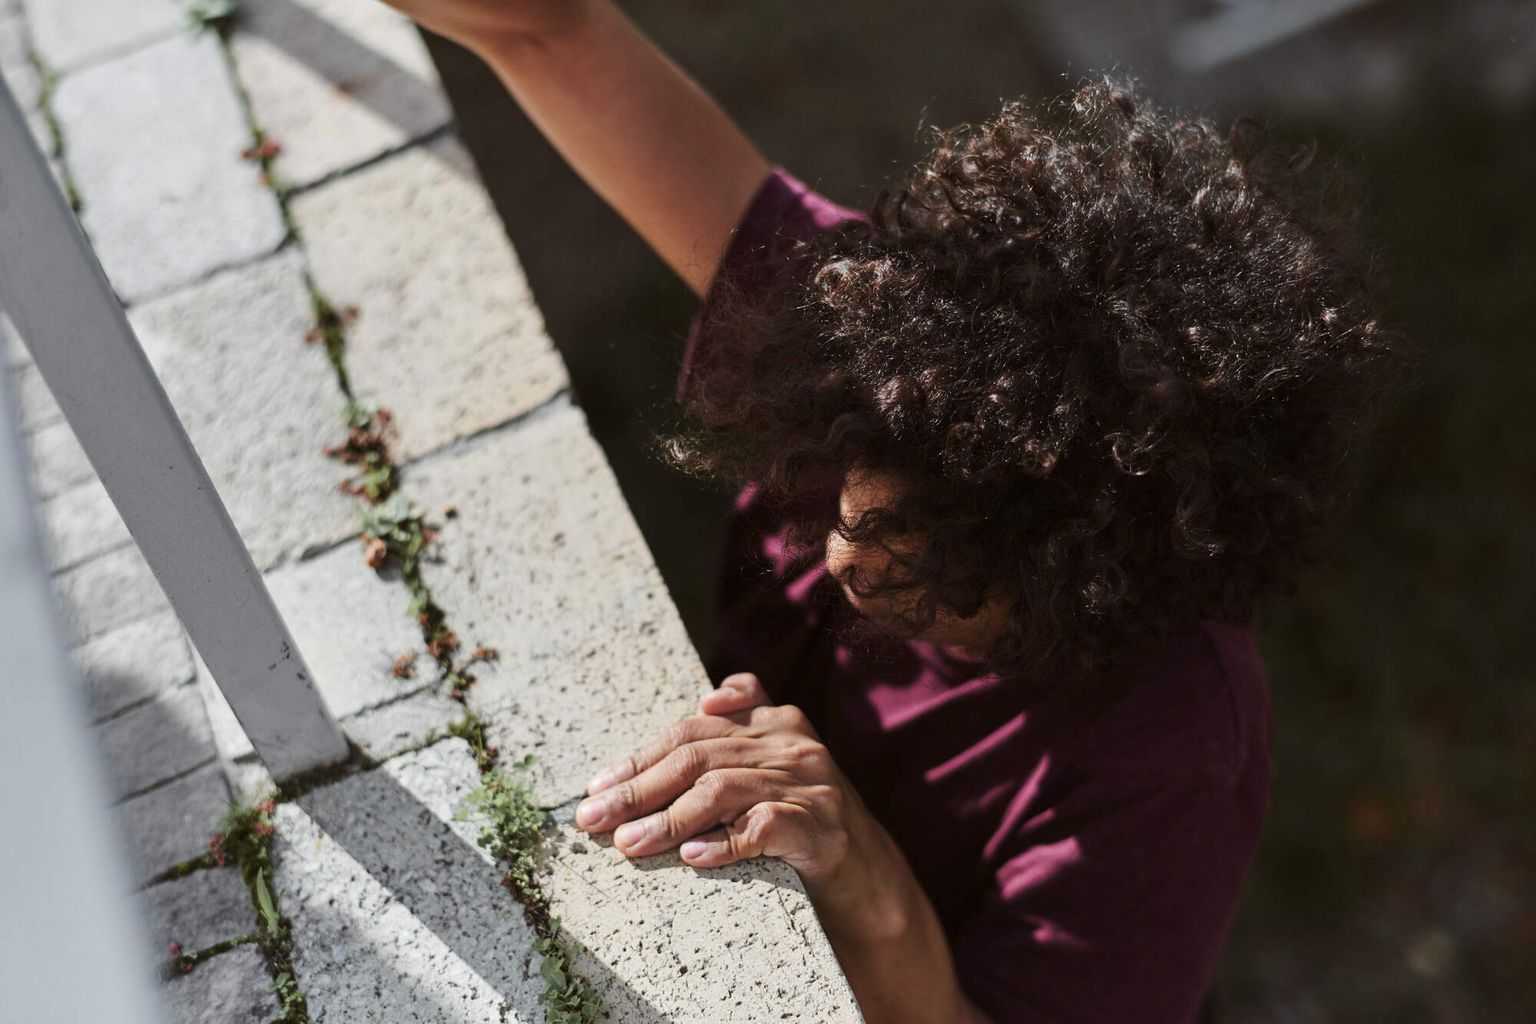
[(736, 693), (719, 796), (660, 784), (684, 730), (765, 830)]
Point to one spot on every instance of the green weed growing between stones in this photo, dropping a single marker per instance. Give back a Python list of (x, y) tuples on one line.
[(244, 838), (515, 836), (205, 14), (48, 81)]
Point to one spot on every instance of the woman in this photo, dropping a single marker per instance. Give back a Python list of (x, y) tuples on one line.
[(1029, 442)]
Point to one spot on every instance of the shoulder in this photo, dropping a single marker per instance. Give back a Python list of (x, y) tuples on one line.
[(1195, 710)]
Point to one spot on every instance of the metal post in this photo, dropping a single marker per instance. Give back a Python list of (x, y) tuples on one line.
[(61, 304), (72, 945)]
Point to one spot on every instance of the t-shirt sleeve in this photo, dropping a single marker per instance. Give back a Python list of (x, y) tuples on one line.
[(1116, 904), (783, 209)]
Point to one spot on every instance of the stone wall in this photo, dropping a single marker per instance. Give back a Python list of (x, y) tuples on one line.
[(312, 264)]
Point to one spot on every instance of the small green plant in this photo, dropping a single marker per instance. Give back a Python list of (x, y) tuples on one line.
[(366, 449), (205, 14), (244, 838), (514, 835), (515, 831), (568, 998)]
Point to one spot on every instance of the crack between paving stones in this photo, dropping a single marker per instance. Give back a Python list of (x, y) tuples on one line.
[(342, 173), (556, 402), (59, 570), (563, 984), (162, 783), (48, 81), (116, 713)]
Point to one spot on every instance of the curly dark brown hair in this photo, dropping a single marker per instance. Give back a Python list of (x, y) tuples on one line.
[(1118, 357)]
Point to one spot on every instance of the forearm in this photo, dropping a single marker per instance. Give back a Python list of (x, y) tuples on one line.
[(628, 120), (888, 938)]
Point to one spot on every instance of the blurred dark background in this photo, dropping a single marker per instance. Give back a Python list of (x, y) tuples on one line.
[(1397, 878)]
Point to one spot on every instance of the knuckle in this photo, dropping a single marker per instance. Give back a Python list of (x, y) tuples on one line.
[(678, 733), (792, 718), (712, 785), (830, 802), (623, 797), (687, 761), (810, 757)]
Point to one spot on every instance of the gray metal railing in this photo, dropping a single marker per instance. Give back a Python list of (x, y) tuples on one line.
[(59, 301)]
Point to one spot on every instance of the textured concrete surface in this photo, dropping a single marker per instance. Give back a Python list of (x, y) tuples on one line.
[(335, 82), (733, 944), (133, 663), (80, 524), (174, 822), (259, 404), (544, 563), (35, 404), (55, 460), (397, 915), (156, 741), (448, 337), (22, 78), (167, 198), (199, 909), (386, 731), (350, 627), (106, 592), (12, 352), (69, 33), (231, 988)]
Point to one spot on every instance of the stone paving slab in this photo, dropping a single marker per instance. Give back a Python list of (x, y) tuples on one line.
[(159, 740), (34, 401), (70, 33), (733, 944), (13, 354), (385, 731), (335, 82), (396, 914), (79, 524), (544, 563), (350, 626), (198, 910), (448, 337), (174, 822), (109, 591), (133, 663), (231, 988), (22, 77), (154, 141), (55, 460), (258, 402)]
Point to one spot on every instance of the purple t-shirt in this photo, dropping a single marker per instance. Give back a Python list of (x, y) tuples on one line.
[(1084, 851)]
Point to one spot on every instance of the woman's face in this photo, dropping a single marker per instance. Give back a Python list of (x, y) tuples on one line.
[(973, 634)]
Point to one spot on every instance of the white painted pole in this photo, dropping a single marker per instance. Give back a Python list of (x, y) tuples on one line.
[(1206, 44), (72, 943), (62, 306)]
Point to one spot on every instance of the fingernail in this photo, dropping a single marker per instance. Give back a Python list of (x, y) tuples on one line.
[(590, 812), (607, 777), (692, 848), (629, 833)]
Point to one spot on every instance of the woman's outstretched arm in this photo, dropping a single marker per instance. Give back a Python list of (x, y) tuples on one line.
[(636, 128)]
